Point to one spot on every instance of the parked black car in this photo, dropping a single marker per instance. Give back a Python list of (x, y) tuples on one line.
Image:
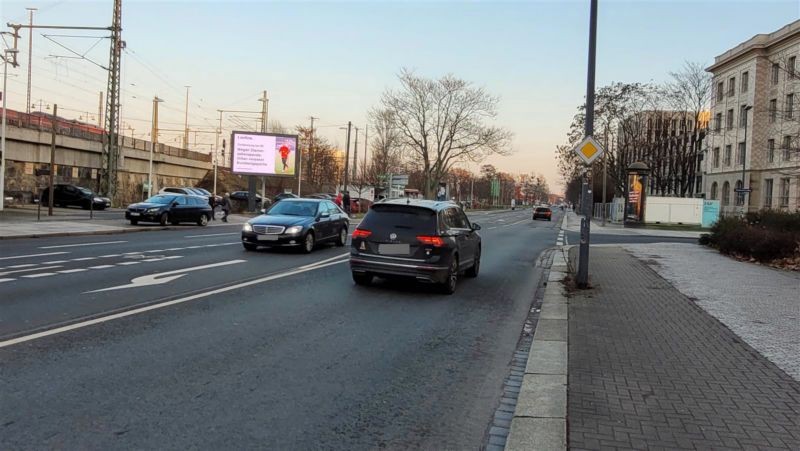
[(426, 240), (297, 222), (282, 196), (543, 212), (243, 196), (65, 195), (172, 208)]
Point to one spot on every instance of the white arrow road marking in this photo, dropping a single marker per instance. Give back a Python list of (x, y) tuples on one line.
[(33, 255), (159, 278), (82, 324)]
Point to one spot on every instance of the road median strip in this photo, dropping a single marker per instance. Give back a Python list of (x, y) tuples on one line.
[(540, 418)]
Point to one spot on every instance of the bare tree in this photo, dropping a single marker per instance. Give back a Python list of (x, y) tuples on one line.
[(443, 122), (386, 146)]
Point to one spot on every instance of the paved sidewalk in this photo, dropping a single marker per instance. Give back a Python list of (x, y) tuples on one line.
[(572, 223), (649, 369)]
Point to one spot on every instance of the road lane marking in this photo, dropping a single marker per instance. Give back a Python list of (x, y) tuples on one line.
[(109, 256), (82, 324), (27, 265), (54, 262), (6, 280), (82, 244), (83, 259), (33, 255), (490, 228), (164, 277), (101, 266), (44, 274), (310, 265), (27, 270), (128, 263), (212, 234), (70, 271)]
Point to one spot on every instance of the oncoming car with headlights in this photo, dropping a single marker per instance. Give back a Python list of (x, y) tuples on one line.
[(297, 223)]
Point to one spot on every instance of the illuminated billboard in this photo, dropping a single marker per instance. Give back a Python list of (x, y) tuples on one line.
[(263, 153)]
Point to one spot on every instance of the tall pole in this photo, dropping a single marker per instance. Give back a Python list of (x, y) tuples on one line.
[(153, 143), (30, 58), (605, 171), (366, 148), (3, 137), (347, 156), (355, 156), (311, 151), (52, 162), (586, 195), (216, 152), (264, 111), (186, 120), (100, 111), (299, 154), (109, 180)]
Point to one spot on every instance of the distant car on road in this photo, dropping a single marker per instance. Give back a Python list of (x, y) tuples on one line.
[(66, 195), (320, 196), (421, 239), (172, 208), (297, 222), (543, 212), (282, 196)]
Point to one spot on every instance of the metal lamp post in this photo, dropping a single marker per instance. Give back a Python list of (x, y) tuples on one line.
[(153, 143), (3, 138), (744, 161)]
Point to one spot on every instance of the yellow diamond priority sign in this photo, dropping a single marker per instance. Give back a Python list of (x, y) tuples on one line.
[(589, 150)]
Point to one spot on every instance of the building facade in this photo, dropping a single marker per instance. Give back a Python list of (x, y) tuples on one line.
[(752, 143)]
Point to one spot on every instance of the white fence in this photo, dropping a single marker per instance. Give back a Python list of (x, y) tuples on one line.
[(673, 210)]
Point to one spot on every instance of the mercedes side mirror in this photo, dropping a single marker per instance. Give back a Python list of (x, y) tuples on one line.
[(476, 226)]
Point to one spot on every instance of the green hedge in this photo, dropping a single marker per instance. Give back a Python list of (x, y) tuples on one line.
[(764, 236)]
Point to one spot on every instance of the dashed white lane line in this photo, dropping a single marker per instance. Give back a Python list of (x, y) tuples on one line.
[(128, 263), (27, 265), (109, 256), (490, 228), (83, 259), (33, 255), (41, 274), (70, 271), (103, 243), (6, 280), (27, 270), (101, 266), (212, 234), (55, 262)]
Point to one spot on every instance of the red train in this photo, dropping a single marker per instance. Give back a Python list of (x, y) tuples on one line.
[(45, 121)]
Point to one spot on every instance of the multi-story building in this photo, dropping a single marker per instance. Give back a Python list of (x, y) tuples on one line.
[(755, 125)]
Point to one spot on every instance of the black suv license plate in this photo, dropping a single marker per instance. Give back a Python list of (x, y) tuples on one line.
[(394, 249)]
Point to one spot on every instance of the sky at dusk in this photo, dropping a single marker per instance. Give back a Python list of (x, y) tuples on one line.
[(332, 60)]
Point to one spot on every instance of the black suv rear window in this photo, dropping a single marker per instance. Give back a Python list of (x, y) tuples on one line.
[(420, 220), (542, 210)]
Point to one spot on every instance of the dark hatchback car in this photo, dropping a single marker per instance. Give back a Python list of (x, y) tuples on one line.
[(297, 222), (65, 195), (426, 240), (243, 196), (543, 212), (170, 208)]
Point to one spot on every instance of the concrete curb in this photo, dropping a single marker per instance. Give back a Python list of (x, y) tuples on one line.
[(540, 419)]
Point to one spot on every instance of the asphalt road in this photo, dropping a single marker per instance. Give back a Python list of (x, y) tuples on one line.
[(237, 349)]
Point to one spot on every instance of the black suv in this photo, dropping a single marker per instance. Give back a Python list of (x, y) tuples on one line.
[(429, 241), (65, 195)]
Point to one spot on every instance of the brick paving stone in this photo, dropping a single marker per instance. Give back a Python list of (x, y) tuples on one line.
[(649, 369)]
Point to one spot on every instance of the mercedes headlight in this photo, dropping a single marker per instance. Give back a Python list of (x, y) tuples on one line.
[(152, 211), (294, 230), (247, 227), (97, 199)]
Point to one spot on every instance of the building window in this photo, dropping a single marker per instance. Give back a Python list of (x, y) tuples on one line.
[(726, 160), (698, 184), (738, 195), (729, 119), (720, 90), (731, 86), (718, 122), (726, 193), (771, 150), (791, 65), (745, 81), (787, 148), (768, 193), (715, 153), (773, 110), (783, 197), (743, 116), (740, 153), (714, 191), (789, 106), (775, 71)]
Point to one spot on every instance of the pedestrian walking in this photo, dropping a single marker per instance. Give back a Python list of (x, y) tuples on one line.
[(226, 206), (338, 199), (346, 202)]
